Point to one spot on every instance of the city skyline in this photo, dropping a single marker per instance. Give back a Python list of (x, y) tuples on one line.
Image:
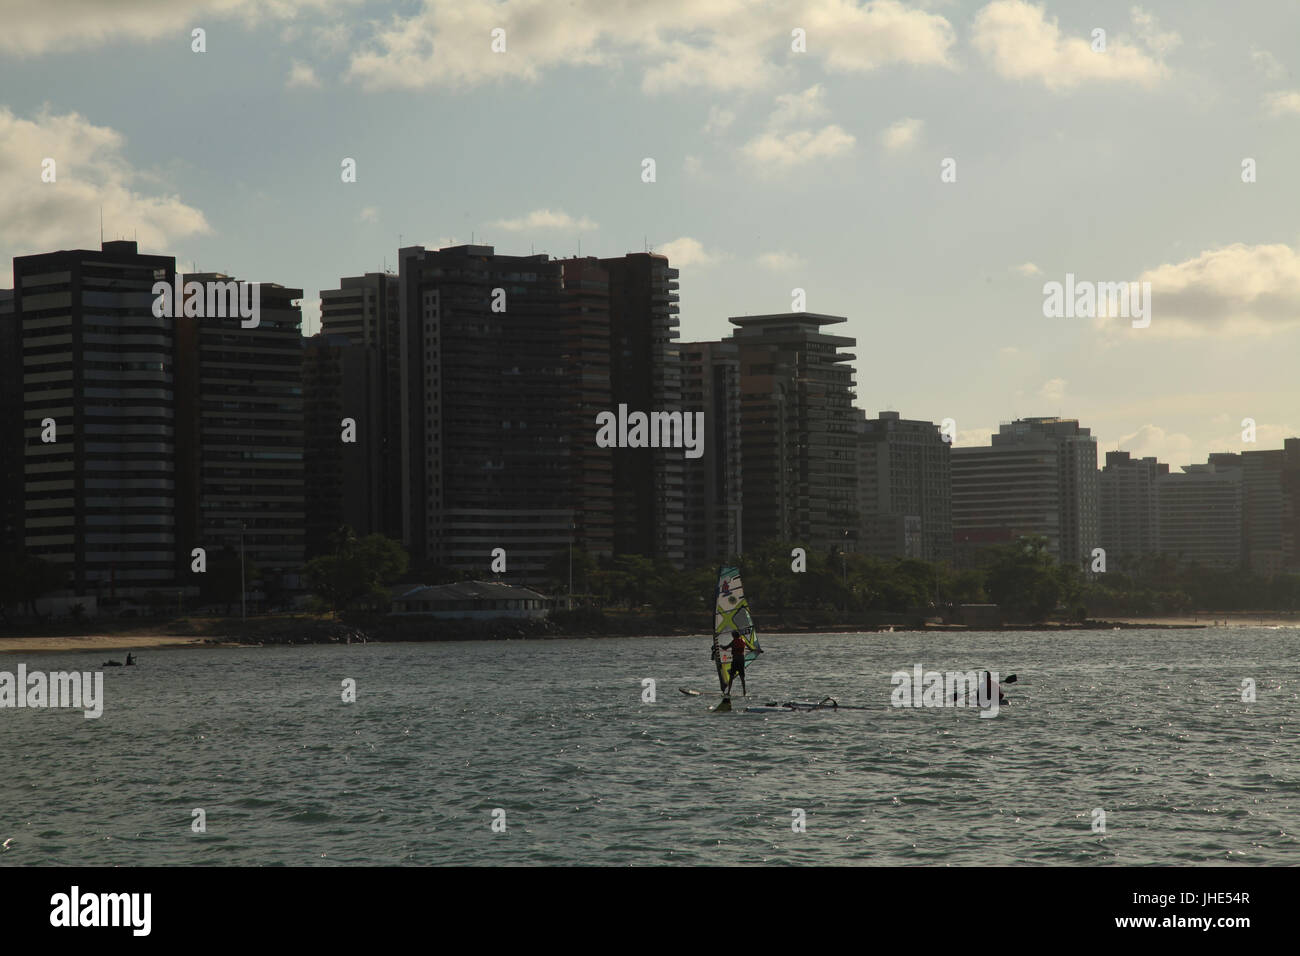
[(818, 170), (433, 409), (960, 439)]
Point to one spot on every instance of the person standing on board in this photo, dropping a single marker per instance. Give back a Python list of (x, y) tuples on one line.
[(738, 649)]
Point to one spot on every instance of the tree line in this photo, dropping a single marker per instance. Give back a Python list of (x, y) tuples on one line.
[(357, 573)]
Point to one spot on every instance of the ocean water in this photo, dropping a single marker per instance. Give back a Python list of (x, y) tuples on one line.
[(1148, 726)]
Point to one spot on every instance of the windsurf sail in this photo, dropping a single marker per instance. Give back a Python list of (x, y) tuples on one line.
[(731, 613)]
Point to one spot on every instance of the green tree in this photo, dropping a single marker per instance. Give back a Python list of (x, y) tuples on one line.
[(557, 572), (357, 572), (220, 583), (1023, 579), (34, 578)]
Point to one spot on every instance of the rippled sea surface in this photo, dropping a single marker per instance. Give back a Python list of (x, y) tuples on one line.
[(1148, 726)]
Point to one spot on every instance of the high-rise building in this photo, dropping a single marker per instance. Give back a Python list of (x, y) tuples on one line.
[(904, 488), (1271, 508), (240, 465), (364, 310), (486, 461), (1201, 514), (1291, 505), (1003, 492), (798, 440), (12, 459), (714, 481), (343, 440), (1129, 510), (99, 417), (585, 327), (646, 375), (505, 363), (1037, 477)]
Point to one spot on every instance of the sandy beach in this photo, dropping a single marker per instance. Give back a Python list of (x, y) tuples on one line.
[(96, 642), (1211, 619)]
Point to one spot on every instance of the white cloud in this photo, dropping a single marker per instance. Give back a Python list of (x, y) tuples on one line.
[(91, 172), (1267, 435), (310, 313), (973, 436), (692, 165), (542, 219), (775, 152), (901, 135), (719, 119), (1161, 44), (331, 39), (1236, 289), (1053, 390), (1172, 448), (302, 76), (781, 261), (35, 27), (730, 58), (1283, 102), (687, 252), (876, 34), (793, 108), (1267, 64), (778, 149), (682, 44), (1027, 269), (1018, 41)]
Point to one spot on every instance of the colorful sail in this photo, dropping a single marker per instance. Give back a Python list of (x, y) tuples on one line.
[(731, 613)]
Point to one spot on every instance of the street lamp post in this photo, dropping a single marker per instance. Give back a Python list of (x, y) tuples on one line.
[(243, 591), (844, 561)]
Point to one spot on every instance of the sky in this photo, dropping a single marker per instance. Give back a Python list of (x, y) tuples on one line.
[(923, 169)]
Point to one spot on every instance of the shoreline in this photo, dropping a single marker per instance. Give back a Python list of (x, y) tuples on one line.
[(53, 644), (105, 642)]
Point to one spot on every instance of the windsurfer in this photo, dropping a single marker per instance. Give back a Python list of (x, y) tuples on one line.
[(738, 649)]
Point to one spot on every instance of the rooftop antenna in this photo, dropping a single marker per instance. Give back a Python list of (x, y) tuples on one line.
[(579, 247), (101, 225)]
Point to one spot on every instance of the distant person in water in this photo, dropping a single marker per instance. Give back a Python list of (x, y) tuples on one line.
[(984, 695), (992, 690), (738, 649), (129, 659)]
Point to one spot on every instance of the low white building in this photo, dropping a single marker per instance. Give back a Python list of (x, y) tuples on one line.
[(479, 600)]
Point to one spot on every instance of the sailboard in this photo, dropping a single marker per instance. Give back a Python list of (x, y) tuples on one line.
[(731, 613)]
